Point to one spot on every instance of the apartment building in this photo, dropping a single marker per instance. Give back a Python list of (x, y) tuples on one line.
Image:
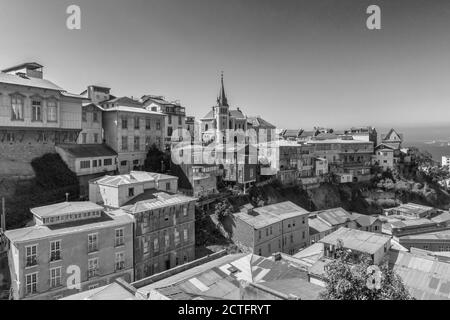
[(91, 124), (175, 115), (346, 155), (131, 130), (70, 243), (116, 191), (281, 227), (35, 115), (363, 133), (164, 233), (196, 176)]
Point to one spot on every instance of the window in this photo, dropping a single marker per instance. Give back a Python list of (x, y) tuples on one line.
[(303, 235), (120, 261), (95, 116), (168, 186), (16, 108), (180, 121), (94, 164), (136, 162), (131, 192), (124, 143), (31, 283), (177, 237), (31, 255), (92, 267), (95, 137), (93, 242), (84, 138), (123, 163), (93, 286), (85, 164), (124, 123), (119, 237), (158, 125), (170, 119), (155, 245), (55, 277), (267, 232), (52, 111), (425, 247), (292, 238), (259, 234), (36, 110), (166, 239), (137, 143), (148, 124), (136, 123), (259, 252), (84, 115), (107, 162), (185, 235), (185, 211), (55, 250), (169, 131)]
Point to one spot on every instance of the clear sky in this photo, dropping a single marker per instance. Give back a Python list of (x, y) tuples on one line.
[(295, 63)]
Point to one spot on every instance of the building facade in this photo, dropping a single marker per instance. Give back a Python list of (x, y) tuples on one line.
[(71, 243), (35, 115), (281, 227)]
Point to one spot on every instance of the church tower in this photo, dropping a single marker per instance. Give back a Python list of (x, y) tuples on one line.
[(222, 109)]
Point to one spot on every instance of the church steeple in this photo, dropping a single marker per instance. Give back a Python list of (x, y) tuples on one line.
[(222, 99)]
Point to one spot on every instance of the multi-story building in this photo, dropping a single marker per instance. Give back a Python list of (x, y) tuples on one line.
[(346, 156), (324, 222), (445, 161), (35, 115), (363, 133), (88, 161), (130, 130), (71, 243), (413, 210), (164, 233), (91, 124), (196, 177), (392, 139), (281, 227), (175, 115), (117, 191)]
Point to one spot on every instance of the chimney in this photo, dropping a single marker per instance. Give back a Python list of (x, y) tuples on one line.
[(67, 197)]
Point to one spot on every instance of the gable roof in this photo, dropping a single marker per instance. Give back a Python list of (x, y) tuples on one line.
[(260, 122), (390, 134), (88, 150), (425, 277), (357, 240)]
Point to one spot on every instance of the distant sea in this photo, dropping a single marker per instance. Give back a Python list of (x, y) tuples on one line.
[(434, 139)]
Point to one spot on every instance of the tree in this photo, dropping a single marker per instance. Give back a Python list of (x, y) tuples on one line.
[(351, 277), (156, 160), (223, 209)]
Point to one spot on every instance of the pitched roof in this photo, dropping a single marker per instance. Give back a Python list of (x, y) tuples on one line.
[(425, 277), (65, 208), (29, 82), (134, 110), (257, 122), (334, 216), (220, 279), (209, 115), (316, 225), (358, 240), (237, 114), (160, 200), (364, 220), (88, 150)]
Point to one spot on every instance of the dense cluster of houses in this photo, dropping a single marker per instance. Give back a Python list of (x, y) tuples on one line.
[(134, 237)]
